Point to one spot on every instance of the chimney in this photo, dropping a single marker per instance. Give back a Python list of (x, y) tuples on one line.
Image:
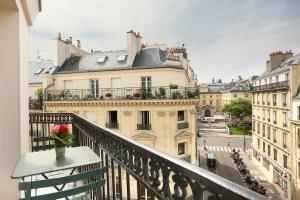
[(240, 78), (71, 40), (78, 44), (134, 45), (277, 58), (59, 36)]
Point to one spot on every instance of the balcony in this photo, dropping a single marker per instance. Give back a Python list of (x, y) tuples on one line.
[(182, 125), (133, 167), (143, 126), (112, 125), (272, 86), (129, 93)]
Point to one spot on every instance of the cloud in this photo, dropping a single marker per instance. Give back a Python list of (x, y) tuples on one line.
[(224, 38)]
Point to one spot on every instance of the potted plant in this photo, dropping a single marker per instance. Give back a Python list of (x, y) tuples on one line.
[(173, 86), (136, 95), (108, 95), (162, 92), (62, 139)]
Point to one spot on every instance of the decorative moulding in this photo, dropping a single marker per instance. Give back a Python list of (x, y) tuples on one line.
[(161, 113), (172, 113), (127, 113)]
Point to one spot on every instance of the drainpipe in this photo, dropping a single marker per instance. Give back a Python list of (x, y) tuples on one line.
[(48, 86)]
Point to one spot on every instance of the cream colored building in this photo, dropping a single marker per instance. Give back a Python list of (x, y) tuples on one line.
[(235, 94), (15, 18), (144, 92), (275, 122)]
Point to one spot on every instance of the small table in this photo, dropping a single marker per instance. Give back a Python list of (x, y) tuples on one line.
[(42, 162)]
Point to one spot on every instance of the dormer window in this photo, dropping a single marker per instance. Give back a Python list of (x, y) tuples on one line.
[(122, 58), (102, 59), (38, 71)]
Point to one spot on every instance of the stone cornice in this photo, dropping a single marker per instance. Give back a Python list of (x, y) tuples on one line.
[(172, 102)]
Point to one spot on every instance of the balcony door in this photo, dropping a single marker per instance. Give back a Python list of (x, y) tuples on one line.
[(94, 87), (146, 83), (116, 87)]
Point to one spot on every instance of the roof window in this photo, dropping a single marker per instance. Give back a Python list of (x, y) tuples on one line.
[(102, 59), (122, 58), (38, 71)]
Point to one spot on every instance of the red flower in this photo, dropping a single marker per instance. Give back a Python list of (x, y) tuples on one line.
[(63, 128), (55, 129)]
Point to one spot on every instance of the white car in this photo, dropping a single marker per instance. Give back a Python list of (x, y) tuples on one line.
[(208, 119)]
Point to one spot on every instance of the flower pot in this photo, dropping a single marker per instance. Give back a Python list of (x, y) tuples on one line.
[(60, 153)]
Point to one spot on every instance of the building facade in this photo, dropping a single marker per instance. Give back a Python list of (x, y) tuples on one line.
[(147, 93), (273, 134)]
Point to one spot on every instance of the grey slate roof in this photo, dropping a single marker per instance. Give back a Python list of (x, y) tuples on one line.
[(283, 67), (46, 66), (148, 58)]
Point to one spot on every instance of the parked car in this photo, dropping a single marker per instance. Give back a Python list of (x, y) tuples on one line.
[(211, 160), (208, 119)]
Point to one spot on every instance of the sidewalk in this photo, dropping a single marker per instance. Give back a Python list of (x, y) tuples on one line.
[(272, 192)]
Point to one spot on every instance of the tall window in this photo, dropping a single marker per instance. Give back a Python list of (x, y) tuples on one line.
[(116, 87), (276, 78), (258, 127), (287, 76), (269, 132), (274, 135), (274, 100), (146, 82), (258, 143), (284, 140), (284, 119), (181, 148), (298, 112), (180, 115), (270, 80), (298, 136), (263, 130), (94, 87), (264, 147), (274, 117), (112, 121), (68, 84), (269, 150), (284, 161), (268, 99), (284, 99), (269, 115), (275, 154), (264, 114), (144, 120)]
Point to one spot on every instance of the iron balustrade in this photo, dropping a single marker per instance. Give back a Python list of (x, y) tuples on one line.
[(134, 167), (271, 86), (143, 126), (113, 125), (129, 93), (182, 125)]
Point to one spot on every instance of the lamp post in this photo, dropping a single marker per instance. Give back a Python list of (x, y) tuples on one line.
[(242, 116)]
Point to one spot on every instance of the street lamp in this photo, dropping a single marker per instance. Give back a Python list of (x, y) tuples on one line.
[(242, 116)]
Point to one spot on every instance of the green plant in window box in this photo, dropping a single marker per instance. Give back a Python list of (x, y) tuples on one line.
[(108, 95), (173, 86)]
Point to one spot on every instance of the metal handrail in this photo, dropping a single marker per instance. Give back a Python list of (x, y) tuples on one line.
[(277, 85), (164, 176)]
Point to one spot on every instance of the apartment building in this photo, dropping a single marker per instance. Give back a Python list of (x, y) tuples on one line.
[(146, 92), (274, 121)]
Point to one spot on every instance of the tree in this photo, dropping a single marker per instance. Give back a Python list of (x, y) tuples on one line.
[(238, 109), (40, 95)]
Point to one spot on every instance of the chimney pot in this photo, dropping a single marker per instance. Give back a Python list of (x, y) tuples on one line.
[(59, 36), (78, 44), (71, 40)]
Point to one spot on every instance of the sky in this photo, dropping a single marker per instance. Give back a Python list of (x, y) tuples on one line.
[(224, 38)]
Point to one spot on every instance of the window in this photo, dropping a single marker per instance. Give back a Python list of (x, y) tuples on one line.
[(284, 119), (284, 161), (284, 99), (210, 96), (122, 58), (264, 147), (116, 87), (146, 82), (234, 95), (274, 117), (276, 79), (94, 87), (265, 81), (258, 143), (298, 137), (68, 84), (275, 154), (38, 71), (253, 125), (287, 76), (270, 80), (274, 100), (210, 102), (269, 150), (268, 99), (258, 127), (284, 140), (274, 135), (102, 59), (264, 114), (269, 132), (246, 95), (268, 115), (112, 119), (180, 115), (181, 148), (204, 102), (144, 120), (263, 99), (298, 112), (263, 130), (90, 116)]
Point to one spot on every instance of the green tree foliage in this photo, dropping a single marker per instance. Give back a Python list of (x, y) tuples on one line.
[(40, 95), (238, 109)]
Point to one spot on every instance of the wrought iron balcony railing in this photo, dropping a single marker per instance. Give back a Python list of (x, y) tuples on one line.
[(128, 93), (143, 126), (113, 125), (134, 167), (272, 86), (186, 158), (182, 125)]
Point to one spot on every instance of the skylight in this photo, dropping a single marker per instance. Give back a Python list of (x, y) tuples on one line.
[(38, 71), (102, 59), (122, 58)]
